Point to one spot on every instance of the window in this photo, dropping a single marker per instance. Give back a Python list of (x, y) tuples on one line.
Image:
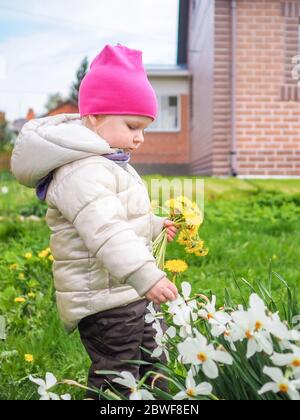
[(168, 114)]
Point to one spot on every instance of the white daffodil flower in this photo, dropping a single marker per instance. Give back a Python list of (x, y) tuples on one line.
[(183, 317), (285, 345), (243, 328), (280, 384), (288, 359), (218, 319), (293, 336), (186, 293), (175, 304), (183, 301), (45, 386), (128, 380), (196, 351), (193, 390), (257, 327), (227, 334), (153, 315), (4, 190), (66, 397), (161, 340), (273, 325)]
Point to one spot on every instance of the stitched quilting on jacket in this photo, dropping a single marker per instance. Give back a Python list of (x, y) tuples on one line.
[(99, 215)]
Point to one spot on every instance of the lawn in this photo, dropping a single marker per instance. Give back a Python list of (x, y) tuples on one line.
[(251, 229)]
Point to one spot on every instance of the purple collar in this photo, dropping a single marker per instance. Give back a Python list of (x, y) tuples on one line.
[(121, 158)]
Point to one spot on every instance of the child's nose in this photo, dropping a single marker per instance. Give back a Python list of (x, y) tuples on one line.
[(139, 139)]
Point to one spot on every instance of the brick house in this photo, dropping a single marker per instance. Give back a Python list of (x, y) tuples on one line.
[(230, 105), (245, 106), (67, 107)]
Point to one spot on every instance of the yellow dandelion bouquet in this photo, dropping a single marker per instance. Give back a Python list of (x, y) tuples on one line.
[(188, 218)]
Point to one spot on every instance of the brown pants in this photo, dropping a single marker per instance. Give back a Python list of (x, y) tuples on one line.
[(114, 336)]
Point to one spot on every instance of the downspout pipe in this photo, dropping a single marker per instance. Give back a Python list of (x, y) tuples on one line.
[(233, 152)]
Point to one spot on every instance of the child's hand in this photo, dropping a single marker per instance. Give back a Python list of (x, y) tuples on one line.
[(171, 229), (162, 292)]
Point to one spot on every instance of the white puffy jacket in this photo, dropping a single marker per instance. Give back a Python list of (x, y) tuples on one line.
[(99, 215)]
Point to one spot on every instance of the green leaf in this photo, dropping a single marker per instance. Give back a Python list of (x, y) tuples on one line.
[(137, 362), (106, 372)]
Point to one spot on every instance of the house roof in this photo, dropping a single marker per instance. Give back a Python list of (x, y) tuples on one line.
[(168, 70), (61, 105)]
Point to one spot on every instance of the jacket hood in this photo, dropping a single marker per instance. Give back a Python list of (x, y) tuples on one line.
[(45, 144)]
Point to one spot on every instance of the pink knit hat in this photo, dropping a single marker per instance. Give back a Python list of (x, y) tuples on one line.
[(117, 84)]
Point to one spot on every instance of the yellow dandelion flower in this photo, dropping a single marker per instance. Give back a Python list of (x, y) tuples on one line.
[(195, 246), (13, 266), (192, 231), (175, 206), (184, 201), (202, 253), (31, 295), (28, 255), (193, 219), (20, 300), (51, 258), (28, 358), (43, 254), (184, 238), (21, 276), (176, 266)]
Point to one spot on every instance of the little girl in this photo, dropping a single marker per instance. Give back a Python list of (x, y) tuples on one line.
[(99, 212)]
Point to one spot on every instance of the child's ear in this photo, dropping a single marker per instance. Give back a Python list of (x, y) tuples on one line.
[(88, 121), (92, 119)]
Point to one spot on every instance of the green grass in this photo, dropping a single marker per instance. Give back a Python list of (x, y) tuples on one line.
[(251, 229)]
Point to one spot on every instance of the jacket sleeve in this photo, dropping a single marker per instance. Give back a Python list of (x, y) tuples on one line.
[(158, 225), (88, 199)]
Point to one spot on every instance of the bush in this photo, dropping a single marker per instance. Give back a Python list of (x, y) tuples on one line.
[(6, 138)]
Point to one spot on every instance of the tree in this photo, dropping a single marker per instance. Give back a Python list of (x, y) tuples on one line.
[(81, 72), (53, 101), (6, 135)]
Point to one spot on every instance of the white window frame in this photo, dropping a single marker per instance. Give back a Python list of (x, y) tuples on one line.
[(167, 130)]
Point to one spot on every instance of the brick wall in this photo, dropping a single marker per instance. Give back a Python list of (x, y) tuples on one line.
[(268, 112), (267, 98), (201, 64)]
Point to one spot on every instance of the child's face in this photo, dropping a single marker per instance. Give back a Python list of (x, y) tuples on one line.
[(121, 131)]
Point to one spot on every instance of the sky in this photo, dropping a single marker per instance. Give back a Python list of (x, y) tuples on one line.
[(42, 43)]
